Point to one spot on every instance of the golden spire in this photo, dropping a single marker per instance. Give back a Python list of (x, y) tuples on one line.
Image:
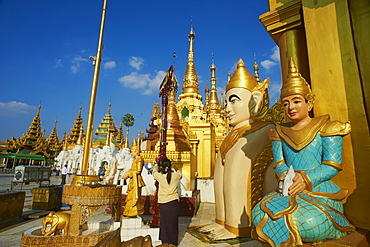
[(172, 116), (120, 134), (54, 144), (190, 84), (139, 138), (77, 126), (213, 98), (134, 144), (241, 78), (107, 140), (80, 137), (206, 91), (106, 125), (255, 69), (34, 131), (65, 142), (296, 84)]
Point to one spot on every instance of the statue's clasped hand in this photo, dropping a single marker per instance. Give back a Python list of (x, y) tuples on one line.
[(298, 185)]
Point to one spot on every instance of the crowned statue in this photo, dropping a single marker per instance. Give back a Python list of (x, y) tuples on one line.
[(134, 206), (307, 205), (247, 102)]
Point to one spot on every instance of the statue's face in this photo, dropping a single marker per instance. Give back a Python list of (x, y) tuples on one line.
[(238, 105), (296, 108)]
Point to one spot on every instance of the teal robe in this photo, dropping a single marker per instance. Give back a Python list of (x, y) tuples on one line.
[(317, 213)]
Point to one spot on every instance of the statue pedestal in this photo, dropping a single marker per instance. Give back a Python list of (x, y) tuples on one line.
[(133, 227)]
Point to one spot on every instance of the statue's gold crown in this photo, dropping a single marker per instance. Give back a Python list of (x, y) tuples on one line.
[(241, 78), (295, 84), (135, 146)]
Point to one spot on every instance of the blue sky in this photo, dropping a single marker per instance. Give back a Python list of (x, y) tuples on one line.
[(46, 44)]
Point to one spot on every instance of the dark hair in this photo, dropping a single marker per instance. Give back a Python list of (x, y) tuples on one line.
[(166, 168)]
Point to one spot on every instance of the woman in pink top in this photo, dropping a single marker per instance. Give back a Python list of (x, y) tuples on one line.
[(168, 199)]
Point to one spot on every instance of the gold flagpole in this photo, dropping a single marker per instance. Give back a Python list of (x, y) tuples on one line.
[(90, 120)]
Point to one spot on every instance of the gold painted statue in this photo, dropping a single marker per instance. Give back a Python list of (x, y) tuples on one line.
[(307, 207), (57, 222), (246, 103), (134, 206)]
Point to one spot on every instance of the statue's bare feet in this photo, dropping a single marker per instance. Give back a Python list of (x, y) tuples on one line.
[(210, 228), (222, 234)]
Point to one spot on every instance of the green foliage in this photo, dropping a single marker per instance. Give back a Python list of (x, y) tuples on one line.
[(128, 120)]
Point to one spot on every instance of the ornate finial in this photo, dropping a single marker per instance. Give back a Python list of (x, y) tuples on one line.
[(65, 143), (255, 69), (38, 110), (135, 146), (296, 84), (174, 58), (241, 78), (190, 84), (228, 76), (191, 34), (109, 106)]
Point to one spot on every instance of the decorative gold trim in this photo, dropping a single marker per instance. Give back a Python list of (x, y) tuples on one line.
[(293, 229), (279, 163), (220, 222), (336, 128), (242, 232), (298, 139), (261, 235), (273, 135), (290, 209), (91, 196), (349, 228), (64, 241), (282, 176), (339, 196), (333, 164), (260, 164), (233, 137)]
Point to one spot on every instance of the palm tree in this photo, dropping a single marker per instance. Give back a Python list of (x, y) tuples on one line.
[(128, 120)]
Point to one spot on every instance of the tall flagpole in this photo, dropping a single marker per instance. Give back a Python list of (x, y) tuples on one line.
[(94, 88)]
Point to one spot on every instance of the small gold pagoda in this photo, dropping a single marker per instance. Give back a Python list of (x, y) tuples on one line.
[(106, 128), (34, 141), (76, 128)]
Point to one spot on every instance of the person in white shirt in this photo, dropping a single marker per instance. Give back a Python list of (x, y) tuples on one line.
[(65, 171)]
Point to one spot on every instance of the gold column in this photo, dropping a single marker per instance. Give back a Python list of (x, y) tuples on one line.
[(334, 51), (284, 24), (193, 163), (75, 221)]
